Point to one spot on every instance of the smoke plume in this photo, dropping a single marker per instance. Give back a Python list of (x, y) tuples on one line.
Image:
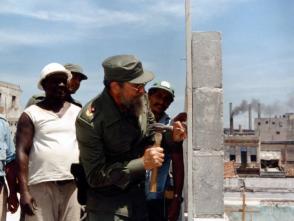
[(268, 109)]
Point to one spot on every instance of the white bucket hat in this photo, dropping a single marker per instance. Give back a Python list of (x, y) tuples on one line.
[(52, 68)]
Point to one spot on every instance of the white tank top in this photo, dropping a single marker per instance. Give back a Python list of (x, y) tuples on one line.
[(55, 146)]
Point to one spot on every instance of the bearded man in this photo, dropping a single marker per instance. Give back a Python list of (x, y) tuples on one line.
[(116, 146)]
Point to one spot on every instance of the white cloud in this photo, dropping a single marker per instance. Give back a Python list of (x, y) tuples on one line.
[(16, 38), (78, 13), (90, 14), (203, 10), (171, 8)]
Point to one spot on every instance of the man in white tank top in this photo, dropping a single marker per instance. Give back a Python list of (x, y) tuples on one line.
[(46, 147)]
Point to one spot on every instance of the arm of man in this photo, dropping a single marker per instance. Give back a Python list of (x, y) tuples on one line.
[(10, 171), (178, 177), (24, 141), (103, 173)]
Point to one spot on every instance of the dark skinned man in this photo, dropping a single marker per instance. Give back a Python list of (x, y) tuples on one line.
[(46, 147), (72, 86)]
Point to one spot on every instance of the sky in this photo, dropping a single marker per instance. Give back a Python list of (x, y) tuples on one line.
[(257, 44)]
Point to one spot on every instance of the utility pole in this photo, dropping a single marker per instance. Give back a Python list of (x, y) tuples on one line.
[(189, 110)]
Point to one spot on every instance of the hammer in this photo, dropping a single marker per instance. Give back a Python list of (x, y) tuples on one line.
[(159, 129)]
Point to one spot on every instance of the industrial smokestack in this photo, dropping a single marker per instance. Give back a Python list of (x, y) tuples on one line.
[(258, 111), (231, 119), (250, 117)]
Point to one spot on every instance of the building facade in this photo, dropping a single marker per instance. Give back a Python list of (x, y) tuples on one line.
[(275, 129), (270, 148), (10, 103)]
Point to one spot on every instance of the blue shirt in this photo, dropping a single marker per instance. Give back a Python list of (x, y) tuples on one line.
[(163, 171), (7, 148)]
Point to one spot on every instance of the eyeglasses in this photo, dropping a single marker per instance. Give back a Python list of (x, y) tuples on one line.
[(137, 87)]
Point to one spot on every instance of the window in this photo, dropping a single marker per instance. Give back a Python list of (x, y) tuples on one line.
[(273, 123), (13, 101), (258, 123), (278, 132), (253, 158), (232, 157), (266, 122)]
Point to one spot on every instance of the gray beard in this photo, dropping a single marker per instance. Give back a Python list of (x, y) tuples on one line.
[(134, 107)]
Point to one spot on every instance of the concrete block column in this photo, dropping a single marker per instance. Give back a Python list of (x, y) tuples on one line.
[(208, 155)]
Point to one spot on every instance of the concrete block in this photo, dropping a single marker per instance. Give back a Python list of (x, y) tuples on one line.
[(269, 183), (208, 119), (208, 173), (206, 59)]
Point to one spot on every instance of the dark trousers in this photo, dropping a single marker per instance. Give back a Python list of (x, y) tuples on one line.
[(128, 205), (157, 210)]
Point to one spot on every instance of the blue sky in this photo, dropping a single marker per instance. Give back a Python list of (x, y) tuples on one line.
[(257, 44)]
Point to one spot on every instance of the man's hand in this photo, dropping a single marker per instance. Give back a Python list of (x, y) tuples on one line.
[(174, 209), (28, 203), (153, 157), (12, 203), (179, 131)]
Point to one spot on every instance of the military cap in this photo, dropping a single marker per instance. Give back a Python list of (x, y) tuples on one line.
[(75, 68), (164, 85), (125, 68)]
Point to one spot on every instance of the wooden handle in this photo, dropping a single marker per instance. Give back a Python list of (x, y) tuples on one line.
[(154, 172)]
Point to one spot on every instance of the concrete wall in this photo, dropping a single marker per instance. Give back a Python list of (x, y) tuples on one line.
[(260, 184), (207, 165)]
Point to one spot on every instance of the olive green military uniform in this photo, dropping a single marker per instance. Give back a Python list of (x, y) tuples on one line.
[(111, 143)]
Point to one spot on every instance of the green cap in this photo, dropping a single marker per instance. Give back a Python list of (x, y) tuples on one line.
[(125, 68), (75, 68), (164, 85)]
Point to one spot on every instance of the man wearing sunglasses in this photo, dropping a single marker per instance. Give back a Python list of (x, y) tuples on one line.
[(116, 145)]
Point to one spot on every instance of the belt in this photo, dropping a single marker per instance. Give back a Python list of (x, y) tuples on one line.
[(114, 190), (62, 182)]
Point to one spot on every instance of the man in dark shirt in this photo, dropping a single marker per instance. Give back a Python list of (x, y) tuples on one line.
[(116, 144)]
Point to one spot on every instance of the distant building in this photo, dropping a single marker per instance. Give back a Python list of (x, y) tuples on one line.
[(10, 103), (276, 142), (275, 129), (268, 150)]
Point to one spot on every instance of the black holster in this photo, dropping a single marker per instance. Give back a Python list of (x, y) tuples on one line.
[(78, 172)]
